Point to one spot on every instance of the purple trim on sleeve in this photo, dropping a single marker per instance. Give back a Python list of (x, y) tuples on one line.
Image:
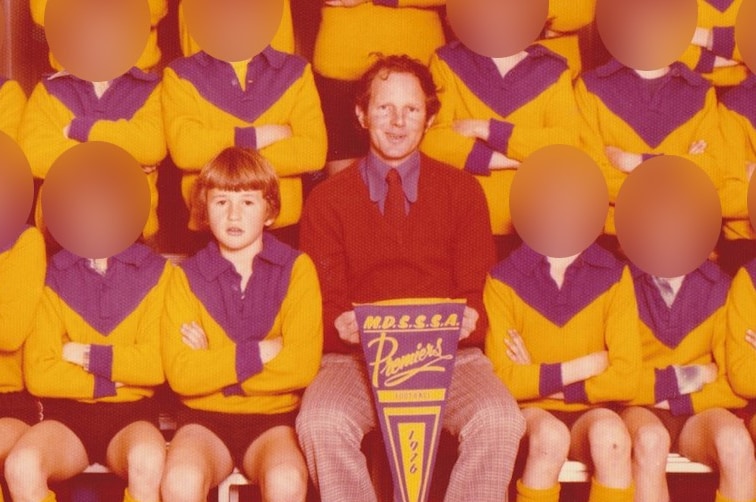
[(248, 360), (101, 360), (723, 41), (103, 387), (386, 3), (245, 137), (479, 159), (720, 5), (80, 127), (575, 393), (499, 134), (705, 62), (681, 406), (740, 99), (550, 381), (665, 385)]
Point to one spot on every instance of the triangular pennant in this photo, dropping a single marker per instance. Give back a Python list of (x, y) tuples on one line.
[(409, 348)]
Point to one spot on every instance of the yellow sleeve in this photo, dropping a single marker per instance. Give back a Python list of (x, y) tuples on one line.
[(40, 133), (734, 192), (192, 372), (191, 141), (301, 321), (23, 278), (718, 393), (522, 380), (592, 140), (45, 372), (142, 135), (441, 142), (306, 149), (140, 364), (557, 126), (619, 382), (570, 15), (12, 104), (708, 130), (740, 355), (158, 10)]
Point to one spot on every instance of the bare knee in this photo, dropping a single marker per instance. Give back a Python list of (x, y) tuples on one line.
[(145, 464), (549, 441), (609, 440), (184, 482), (284, 483), (734, 447), (651, 443), (24, 472)]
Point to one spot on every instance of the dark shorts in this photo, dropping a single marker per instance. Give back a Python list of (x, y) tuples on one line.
[(346, 139), (21, 406), (95, 424), (236, 430), (569, 418)]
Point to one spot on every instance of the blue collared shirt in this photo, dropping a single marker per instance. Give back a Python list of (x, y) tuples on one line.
[(374, 171)]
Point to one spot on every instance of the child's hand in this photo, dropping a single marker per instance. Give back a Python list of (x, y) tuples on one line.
[(194, 336), (269, 349), (516, 349)]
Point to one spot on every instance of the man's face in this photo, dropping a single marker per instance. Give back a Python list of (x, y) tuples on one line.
[(396, 117)]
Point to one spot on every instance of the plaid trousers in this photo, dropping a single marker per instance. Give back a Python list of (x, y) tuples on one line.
[(337, 411)]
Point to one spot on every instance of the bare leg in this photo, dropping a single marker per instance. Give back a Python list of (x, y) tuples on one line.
[(651, 444), (548, 446), (275, 462), (600, 438), (197, 460), (137, 453), (718, 438), (11, 429), (48, 451)]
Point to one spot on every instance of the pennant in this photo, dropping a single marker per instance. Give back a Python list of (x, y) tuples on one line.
[(409, 348)]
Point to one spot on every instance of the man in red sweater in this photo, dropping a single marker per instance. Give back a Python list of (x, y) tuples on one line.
[(397, 224)]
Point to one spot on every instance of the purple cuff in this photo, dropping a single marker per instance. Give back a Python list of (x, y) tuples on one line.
[(386, 3), (233, 390), (499, 133), (80, 127), (723, 41), (665, 385), (101, 360), (479, 159), (681, 406), (706, 62), (575, 393), (245, 137), (103, 387), (550, 381), (248, 360)]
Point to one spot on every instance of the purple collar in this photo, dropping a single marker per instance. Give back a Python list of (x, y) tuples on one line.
[(588, 277), (525, 82), (216, 284), (269, 75), (655, 108), (702, 292), (104, 301), (740, 99)]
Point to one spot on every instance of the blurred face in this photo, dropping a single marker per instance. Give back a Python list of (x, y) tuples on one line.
[(396, 117), (237, 219)]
